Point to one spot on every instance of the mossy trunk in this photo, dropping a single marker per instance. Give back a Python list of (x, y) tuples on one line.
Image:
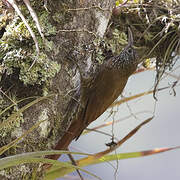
[(54, 73)]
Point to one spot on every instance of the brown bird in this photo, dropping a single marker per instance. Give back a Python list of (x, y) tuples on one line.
[(103, 90)]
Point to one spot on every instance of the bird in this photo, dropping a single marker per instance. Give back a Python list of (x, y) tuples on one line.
[(107, 85)]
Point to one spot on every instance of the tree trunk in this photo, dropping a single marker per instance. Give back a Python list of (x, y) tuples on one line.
[(68, 32)]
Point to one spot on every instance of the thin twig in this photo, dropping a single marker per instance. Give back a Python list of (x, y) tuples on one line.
[(45, 6), (75, 164), (78, 30), (89, 8), (14, 5), (34, 16), (116, 121), (130, 110), (7, 96), (101, 132)]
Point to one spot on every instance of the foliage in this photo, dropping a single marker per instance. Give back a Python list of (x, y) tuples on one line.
[(18, 52), (155, 26)]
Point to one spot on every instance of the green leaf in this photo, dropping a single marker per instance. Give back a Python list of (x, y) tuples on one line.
[(61, 171), (32, 157)]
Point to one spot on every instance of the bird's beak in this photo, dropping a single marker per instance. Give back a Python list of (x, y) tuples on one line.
[(130, 37)]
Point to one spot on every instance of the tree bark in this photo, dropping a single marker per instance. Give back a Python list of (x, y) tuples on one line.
[(75, 29)]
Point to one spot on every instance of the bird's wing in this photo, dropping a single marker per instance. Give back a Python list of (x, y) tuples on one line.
[(105, 91)]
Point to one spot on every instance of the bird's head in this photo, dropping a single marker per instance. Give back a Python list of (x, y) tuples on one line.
[(129, 52)]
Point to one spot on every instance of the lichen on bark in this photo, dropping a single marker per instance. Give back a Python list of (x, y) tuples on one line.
[(54, 72)]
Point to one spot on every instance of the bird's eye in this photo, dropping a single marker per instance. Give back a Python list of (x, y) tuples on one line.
[(129, 51)]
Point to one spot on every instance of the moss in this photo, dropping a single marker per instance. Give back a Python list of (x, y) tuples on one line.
[(42, 71), (6, 110), (47, 28), (17, 52)]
